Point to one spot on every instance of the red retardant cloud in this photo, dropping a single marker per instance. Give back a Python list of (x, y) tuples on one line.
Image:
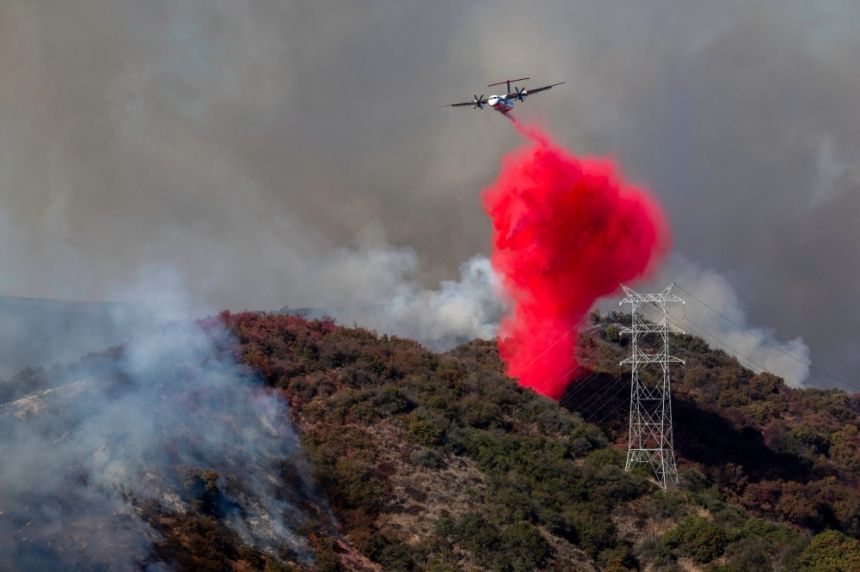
[(567, 230)]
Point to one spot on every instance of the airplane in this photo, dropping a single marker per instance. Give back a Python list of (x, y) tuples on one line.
[(503, 103)]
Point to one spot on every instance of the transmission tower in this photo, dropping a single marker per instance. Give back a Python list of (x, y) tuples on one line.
[(650, 440)]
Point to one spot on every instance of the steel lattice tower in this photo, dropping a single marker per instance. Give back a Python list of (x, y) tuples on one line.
[(650, 440)]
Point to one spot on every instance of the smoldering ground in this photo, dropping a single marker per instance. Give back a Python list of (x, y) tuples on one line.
[(87, 447)]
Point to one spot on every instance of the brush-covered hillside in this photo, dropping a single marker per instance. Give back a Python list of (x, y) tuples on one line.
[(439, 462), (399, 458)]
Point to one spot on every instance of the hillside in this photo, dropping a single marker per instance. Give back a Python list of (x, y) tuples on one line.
[(41, 332), (439, 461), (415, 460)]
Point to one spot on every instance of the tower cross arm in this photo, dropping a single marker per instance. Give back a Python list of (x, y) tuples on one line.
[(646, 328), (652, 358), (664, 296)]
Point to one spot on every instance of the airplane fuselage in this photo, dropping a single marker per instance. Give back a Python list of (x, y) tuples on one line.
[(501, 103)]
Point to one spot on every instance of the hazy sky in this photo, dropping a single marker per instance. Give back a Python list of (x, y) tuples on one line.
[(243, 148)]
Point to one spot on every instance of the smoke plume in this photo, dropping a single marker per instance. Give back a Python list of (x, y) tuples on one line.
[(84, 447), (375, 286), (714, 312), (566, 231)]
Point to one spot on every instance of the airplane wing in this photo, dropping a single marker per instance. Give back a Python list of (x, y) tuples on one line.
[(478, 102), (536, 89)]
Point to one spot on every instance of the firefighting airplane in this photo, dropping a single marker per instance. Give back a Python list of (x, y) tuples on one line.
[(503, 103)]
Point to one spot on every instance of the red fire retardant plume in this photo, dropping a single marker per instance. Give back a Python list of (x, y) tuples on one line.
[(566, 231)]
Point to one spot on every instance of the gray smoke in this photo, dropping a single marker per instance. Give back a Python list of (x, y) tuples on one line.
[(84, 447), (37, 333), (243, 142), (714, 311), (375, 285)]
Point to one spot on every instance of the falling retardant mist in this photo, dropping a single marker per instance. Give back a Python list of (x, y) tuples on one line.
[(567, 230)]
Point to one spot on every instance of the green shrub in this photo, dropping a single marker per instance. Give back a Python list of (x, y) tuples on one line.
[(613, 333), (772, 533), (588, 529), (326, 558), (669, 504), (392, 401), (426, 458), (523, 549), (477, 535), (429, 432), (390, 551), (517, 547), (358, 486), (479, 412), (748, 555), (696, 538), (830, 551), (694, 481), (618, 559)]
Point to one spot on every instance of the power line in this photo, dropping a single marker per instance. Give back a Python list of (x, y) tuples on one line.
[(607, 401), (741, 326), (764, 340), (739, 356), (576, 388), (603, 391), (702, 331), (579, 385), (567, 399), (558, 339), (742, 358), (606, 416), (567, 373)]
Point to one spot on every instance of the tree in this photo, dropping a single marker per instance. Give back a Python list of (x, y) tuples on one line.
[(830, 551)]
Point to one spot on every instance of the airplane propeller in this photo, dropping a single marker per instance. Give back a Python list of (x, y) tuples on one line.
[(479, 102), (520, 92)]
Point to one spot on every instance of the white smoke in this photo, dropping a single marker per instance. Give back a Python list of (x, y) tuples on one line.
[(83, 445), (725, 324), (382, 295), (374, 285), (457, 310), (80, 443)]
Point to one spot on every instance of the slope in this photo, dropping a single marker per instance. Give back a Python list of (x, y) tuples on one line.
[(438, 461), (416, 460)]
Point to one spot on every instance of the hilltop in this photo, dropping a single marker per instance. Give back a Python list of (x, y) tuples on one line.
[(417, 460)]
